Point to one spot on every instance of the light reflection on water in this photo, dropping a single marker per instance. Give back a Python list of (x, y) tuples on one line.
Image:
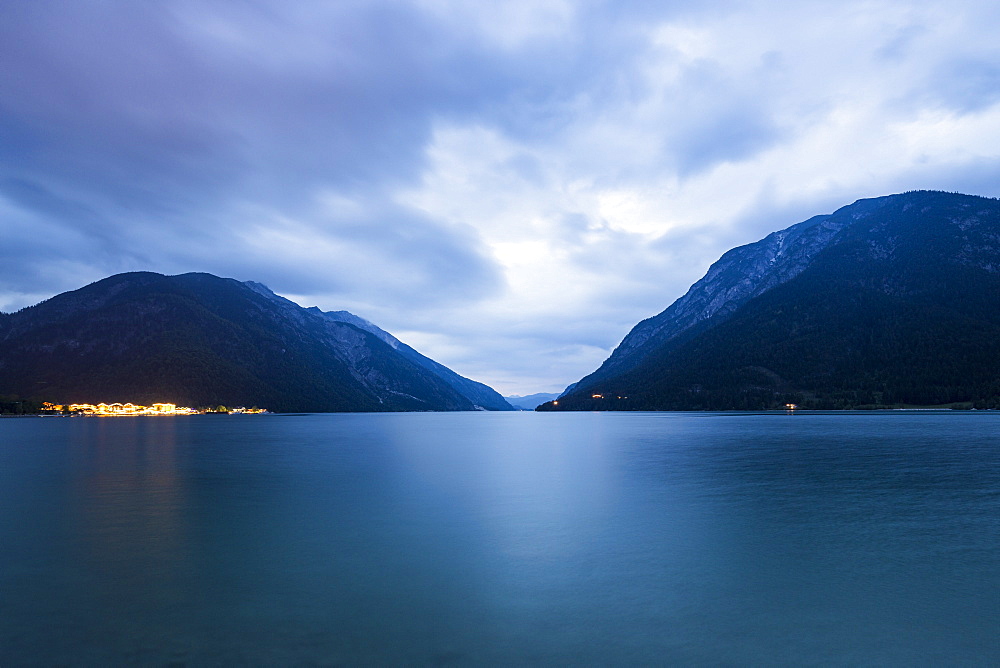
[(127, 499), (501, 538)]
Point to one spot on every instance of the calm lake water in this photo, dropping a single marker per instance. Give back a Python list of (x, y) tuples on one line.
[(501, 539)]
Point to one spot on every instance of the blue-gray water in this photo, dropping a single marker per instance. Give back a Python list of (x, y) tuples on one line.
[(500, 539)]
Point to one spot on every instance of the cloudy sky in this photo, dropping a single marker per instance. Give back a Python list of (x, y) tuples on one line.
[(507, 186)]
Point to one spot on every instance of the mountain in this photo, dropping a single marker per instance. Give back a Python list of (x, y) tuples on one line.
[(531, 401), (198, 340), (481, 395), (888, 301)]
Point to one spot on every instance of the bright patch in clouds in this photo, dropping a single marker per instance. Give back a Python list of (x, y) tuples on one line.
[(507, 187)]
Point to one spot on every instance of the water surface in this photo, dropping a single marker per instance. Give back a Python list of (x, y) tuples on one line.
[(475, 539)]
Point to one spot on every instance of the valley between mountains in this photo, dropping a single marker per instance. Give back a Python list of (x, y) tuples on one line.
[(887, 302)]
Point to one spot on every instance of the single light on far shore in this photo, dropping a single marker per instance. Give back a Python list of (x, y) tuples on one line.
[(791, 407), (597, 396), (555, 403)]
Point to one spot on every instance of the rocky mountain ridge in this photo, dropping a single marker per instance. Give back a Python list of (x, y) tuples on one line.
[(481, 395), (197, 339), (928, 259), (738, 276)]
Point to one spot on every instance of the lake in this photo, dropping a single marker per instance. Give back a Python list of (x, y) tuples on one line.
[(502, 539)]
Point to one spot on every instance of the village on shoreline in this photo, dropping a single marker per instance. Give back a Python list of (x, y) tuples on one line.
[(129, 409)]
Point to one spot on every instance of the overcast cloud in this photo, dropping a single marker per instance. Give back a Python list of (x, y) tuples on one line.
[(508, 187)]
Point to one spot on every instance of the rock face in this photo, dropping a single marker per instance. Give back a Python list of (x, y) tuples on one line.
[(893, 300), (481, 395), (197, 339)]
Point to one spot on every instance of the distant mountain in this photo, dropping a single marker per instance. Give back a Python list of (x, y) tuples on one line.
[(197, 339), (888, 301), (481, 395), (531, 401)]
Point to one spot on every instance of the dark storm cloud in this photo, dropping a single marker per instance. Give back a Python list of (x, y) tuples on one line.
[(396, 256), (723, 136), (149, 128), (130, 122), (724, 117)]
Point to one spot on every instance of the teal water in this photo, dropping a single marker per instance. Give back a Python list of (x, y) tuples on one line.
[(501, 539)]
